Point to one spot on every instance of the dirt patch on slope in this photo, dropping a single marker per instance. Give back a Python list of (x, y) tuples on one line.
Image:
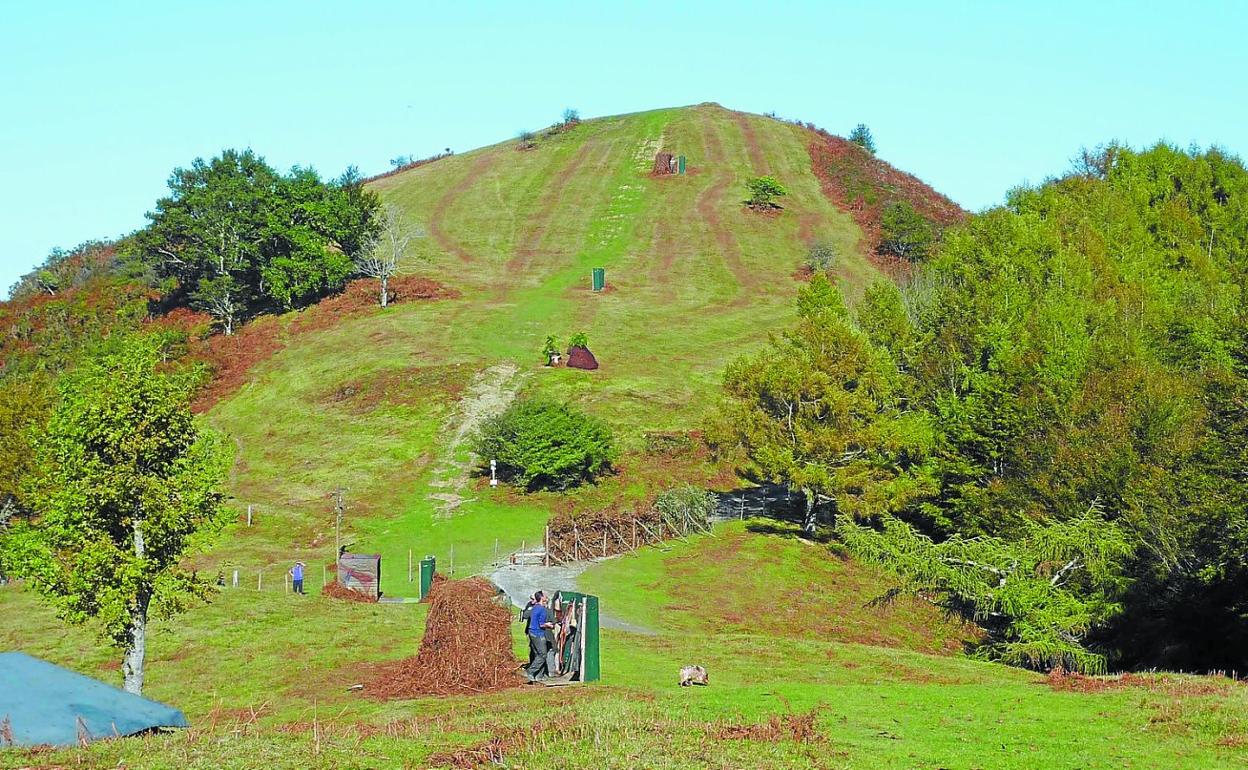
[(466, 648), (707, 205), (527, 248), (758, 159), (438, 216)]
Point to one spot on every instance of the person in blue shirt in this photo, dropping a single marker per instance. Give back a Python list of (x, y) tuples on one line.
[(539, 621), (296, 577)]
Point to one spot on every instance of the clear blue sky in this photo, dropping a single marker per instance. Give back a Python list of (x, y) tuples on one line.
[(99, 101)]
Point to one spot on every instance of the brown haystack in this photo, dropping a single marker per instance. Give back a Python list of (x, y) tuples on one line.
[(466, 648), (580, 358)]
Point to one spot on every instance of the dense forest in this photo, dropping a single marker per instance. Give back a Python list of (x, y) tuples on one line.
[(1044, 428)]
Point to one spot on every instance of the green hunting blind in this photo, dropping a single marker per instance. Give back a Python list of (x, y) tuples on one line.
[(598, 278), (577, 642), (428, 566)]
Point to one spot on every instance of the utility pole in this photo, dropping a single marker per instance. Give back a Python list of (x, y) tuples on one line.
[(338, 511)]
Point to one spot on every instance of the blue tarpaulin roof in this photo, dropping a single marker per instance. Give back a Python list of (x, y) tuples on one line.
[(47, 704)]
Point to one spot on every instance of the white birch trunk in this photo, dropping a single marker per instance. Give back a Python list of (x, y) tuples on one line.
[(136, 649)]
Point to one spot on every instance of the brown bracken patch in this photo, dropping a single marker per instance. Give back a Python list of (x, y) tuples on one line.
[(336, 590), (799, 728)]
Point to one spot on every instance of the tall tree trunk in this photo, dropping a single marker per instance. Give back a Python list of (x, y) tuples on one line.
[(136, 646), (385, 290), (808, 522)]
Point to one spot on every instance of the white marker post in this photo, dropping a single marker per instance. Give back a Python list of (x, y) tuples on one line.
[(493, 473)]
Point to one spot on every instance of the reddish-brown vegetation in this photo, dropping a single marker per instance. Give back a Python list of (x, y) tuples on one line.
[(232, 358), (336, 590), (862, 185), (1067, 681), (799, 728), (466, 647)]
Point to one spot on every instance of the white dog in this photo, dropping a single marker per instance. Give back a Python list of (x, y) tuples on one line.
[(693, 675)]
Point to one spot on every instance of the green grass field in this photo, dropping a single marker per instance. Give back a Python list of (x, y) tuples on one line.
[(373, 405)]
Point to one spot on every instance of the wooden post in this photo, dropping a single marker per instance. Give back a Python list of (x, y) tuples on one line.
[(604, 544), (546, 546), (259, 580), (576, 544), (452, 560), (249, 515), (495, 549), (236, 578), (409, 565), (634, 534)]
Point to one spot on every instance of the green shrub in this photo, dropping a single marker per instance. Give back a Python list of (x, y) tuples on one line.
[(540, 443), (579, 340), (821, 257), (550, 348), (861, 136), (904, 232), (686, 503), (764, 190)]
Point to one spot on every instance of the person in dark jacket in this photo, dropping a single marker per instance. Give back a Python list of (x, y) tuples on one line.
[(525, 614), (539, 621)]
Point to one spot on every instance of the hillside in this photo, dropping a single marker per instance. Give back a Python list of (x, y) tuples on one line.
[(373, 404), (806, 669)]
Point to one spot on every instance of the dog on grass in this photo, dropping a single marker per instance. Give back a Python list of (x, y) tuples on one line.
[(691, 675)]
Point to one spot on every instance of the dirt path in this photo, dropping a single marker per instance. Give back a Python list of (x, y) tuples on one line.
[(449, 244), (527, 248), (758, 160), (707, 205), (520, 581), (488, 395)]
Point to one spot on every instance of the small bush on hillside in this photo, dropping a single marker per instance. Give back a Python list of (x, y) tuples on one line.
[(861, 136), (579, 340), (686, 503), (543, 444), (550, 348), (764, 190), (527, 139), (571, 116), (821, 257), (904, 232)]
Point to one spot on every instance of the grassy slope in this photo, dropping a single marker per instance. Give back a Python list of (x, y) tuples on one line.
[(695, 279), (368, 405)]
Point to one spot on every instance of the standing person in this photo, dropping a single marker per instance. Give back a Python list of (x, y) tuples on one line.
[(538, 623), (525, 614), (296, 577)]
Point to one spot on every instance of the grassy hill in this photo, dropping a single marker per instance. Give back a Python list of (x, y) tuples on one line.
[(694, 278), (380, 403)]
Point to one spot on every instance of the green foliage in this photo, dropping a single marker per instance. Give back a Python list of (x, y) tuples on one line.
[(821, 257), (545, 444), (861, 136), (818, 410), (66, 268), (1038, 595), (1081, 347), (237, 237), (550, 348), (686, 503), (526, 138), (571, 116), (125, 485), (579, 340), (904, 232), (764, 190)]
